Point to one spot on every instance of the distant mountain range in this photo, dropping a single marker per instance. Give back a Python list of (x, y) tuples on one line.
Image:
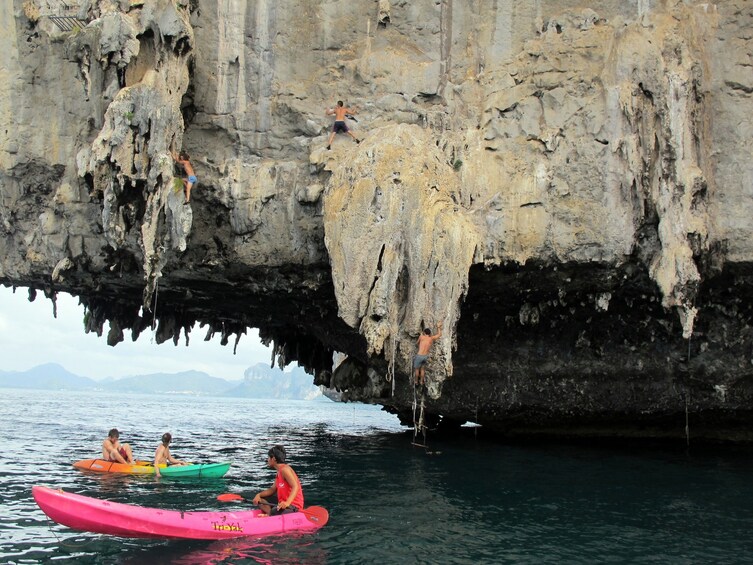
[(260, 381)]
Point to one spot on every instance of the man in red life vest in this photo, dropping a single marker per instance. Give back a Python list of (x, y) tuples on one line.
[(286, 485)]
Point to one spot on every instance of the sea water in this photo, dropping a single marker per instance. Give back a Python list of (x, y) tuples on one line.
[(464, 500)]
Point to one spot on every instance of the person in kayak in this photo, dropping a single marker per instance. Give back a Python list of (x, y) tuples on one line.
[(163, 456), (113, 450), (286, 485)]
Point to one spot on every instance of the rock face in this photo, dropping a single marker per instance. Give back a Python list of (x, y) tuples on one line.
[(565, 187)]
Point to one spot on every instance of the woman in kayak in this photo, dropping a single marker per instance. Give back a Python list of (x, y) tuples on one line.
[(112, 450), (163, 456), (286, 485)]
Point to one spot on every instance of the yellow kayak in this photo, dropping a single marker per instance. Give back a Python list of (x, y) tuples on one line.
[(206, 470), (102, 466)]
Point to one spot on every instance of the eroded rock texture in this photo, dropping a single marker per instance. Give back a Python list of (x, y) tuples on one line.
[(565, 186)]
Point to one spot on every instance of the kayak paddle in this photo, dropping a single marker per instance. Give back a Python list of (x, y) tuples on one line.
[(315, 514)]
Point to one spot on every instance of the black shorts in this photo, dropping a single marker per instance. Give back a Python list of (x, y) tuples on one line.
[(340, 127), (288, 510)]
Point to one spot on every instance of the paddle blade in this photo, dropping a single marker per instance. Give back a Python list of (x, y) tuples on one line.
[(229, 497), (316, 514)]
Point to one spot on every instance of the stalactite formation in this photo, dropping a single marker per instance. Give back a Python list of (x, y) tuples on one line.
[(563, 185)]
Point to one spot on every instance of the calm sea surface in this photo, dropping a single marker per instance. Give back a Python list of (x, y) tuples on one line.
[(463, 501)]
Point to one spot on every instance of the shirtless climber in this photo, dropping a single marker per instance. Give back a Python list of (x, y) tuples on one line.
[(190, 181), (340, 126), (425, 341)]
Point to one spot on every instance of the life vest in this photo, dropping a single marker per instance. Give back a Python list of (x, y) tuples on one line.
[(284, 489)]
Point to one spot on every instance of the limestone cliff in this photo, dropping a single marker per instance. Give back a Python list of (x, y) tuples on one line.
[(563, 185)]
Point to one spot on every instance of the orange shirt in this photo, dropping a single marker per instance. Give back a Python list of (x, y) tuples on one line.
[(284, 489)]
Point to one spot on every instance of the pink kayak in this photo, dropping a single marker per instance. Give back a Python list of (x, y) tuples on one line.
[(129, 521)]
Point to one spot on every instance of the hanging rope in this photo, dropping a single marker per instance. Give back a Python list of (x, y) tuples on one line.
[(687, 420), (421, 424), (154, 310), (391, 368), (418, 425), (415, 405), (475, 428)]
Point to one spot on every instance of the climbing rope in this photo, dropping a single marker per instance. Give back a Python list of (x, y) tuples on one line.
[(687, 394), (391, 368), (418, 424), (421, 424), (154, 310), (415, 405), (475, 428), (687, 420)]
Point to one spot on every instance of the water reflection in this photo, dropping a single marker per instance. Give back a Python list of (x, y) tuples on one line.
[(271, 550)]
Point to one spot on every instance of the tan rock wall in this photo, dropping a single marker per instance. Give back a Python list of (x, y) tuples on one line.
[(553, 131)]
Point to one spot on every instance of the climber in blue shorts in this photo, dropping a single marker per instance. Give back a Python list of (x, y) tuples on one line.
[(190, 181)]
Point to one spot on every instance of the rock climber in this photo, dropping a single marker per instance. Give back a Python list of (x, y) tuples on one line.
[(190, 181), (340, 112), (425, 341)]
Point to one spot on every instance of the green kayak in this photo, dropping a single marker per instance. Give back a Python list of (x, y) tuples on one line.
[(204, 470)]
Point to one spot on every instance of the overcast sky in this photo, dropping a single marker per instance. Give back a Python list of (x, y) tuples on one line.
[(31, 336)]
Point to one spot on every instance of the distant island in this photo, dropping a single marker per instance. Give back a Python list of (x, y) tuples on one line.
[(259, 381)]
